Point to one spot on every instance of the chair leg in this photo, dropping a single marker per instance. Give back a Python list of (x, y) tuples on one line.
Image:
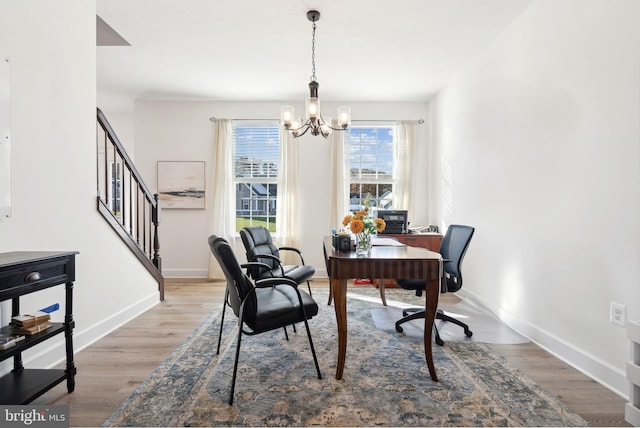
[(313, 349), (442, 316), (415, 316), (235, 364), (309, 287), (439, 341), (224, 307)]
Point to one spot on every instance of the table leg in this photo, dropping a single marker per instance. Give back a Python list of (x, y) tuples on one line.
[(431, 306), (381, 287), (339, 291)]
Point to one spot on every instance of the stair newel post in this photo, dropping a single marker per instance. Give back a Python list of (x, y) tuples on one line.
[(156, 241), (157, 261)]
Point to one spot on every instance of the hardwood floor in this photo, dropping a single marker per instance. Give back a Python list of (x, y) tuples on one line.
[(113, 367)]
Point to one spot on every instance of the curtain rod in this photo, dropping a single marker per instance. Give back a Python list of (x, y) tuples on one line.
[(419, 121)]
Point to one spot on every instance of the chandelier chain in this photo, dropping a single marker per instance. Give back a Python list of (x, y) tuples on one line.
[(313, 53)]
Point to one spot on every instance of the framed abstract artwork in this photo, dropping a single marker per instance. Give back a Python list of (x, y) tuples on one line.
[(181, 184)]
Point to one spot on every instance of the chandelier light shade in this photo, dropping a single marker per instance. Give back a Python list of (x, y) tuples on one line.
[(314, 122)]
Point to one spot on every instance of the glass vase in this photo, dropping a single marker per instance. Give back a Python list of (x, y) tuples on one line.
[(363, 245)]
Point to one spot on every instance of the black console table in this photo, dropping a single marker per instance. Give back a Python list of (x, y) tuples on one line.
[(24, 272)]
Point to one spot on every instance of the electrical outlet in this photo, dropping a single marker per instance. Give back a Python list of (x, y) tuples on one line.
[(618, 313)]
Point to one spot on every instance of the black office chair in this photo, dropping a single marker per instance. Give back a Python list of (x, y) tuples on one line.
[(452, 249), (265, 305), (259, 247)]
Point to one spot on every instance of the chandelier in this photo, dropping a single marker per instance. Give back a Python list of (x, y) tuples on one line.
[(315, 123)]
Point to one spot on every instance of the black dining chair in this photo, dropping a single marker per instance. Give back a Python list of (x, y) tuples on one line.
[(452, 249), (259, 247), (265, 305)]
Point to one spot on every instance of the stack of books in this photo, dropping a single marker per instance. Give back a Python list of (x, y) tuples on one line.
[(9, 340), (30, 324)]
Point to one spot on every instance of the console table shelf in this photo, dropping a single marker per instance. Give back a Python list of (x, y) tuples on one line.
[(29, 341), (27, 385), (24, 272)]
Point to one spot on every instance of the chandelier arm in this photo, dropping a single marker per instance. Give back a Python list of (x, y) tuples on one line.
[(329, 125), (306, 128), (307, 124)]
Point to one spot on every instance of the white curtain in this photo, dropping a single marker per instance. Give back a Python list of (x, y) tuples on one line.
[(404, 162), (287, 224), (222, 200), (339, 180)]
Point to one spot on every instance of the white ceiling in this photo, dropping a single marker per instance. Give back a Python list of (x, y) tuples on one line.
[(260, 50)]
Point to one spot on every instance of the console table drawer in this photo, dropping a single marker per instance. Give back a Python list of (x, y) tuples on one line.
[(33, 274)]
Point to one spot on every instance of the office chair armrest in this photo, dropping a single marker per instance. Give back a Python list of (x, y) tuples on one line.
[(265, 256), (295, 250), (255, 264), (272, 282), (271, 257)]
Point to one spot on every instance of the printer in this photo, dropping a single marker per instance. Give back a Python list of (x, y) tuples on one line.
[(396, 221)]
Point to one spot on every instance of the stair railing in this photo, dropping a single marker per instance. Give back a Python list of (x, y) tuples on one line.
[(125, 201)]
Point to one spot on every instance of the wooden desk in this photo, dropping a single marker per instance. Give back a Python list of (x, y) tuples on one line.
[(430, 241), (389, 262)]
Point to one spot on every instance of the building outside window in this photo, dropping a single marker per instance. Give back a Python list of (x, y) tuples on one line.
[(372, 165), (256, 154)]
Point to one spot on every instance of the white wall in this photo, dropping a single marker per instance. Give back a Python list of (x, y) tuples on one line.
[(53, 114), (540, 145), (182, 131)]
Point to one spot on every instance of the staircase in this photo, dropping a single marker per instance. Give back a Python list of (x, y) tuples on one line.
[(125, 201)]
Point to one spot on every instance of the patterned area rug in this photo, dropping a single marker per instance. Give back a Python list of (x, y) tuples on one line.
[(386, 381)]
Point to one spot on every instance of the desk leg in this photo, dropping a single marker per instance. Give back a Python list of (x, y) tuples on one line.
[(381, 287), (431, 306), (339, 291)]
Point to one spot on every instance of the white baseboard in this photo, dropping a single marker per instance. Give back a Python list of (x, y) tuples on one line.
[(185, 273), (591, 366), (321, 274)]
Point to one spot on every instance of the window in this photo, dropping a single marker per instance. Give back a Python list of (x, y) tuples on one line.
[(372, 164), (256, 156)]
